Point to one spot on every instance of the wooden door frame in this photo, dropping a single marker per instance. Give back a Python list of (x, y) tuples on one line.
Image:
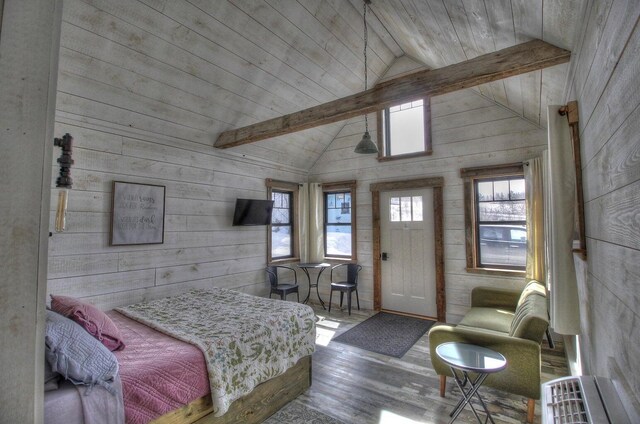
[(437, 184)]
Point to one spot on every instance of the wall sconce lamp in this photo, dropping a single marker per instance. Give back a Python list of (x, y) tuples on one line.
[(63, 181)]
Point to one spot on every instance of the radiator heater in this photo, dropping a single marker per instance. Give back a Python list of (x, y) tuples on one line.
[(582, 399)]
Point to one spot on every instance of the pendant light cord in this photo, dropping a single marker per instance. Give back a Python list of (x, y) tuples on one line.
[(366, 39)]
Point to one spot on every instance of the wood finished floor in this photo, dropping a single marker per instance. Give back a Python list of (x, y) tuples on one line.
[(361, 387)]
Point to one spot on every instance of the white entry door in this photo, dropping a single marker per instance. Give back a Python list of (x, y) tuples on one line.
[(407, 244)]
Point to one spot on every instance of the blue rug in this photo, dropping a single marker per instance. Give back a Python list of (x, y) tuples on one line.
[(388, 334)]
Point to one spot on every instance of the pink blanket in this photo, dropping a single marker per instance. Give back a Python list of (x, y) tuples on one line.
[(159, 373)]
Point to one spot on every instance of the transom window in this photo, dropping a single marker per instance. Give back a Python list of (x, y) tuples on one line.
[(405, 208), (405, 129), (495, 217)]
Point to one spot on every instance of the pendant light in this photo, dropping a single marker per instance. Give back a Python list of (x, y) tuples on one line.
[(366, 145)]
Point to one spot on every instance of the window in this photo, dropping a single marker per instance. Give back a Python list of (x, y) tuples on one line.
[(339, 220), (495, 218), (282, 235), (405, 208), (405, 130)]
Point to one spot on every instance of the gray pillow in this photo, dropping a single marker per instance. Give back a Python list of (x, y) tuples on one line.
[(50, 378), (76, 355)]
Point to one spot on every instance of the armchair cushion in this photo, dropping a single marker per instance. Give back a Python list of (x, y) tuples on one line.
[(489, 318)]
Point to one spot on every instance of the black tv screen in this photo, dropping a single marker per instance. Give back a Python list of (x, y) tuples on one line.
[(252, 212)]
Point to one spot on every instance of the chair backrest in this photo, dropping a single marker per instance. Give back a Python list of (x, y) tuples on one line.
[(352, 272), (272, 272)]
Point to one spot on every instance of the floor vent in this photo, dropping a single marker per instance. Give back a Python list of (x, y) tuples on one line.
[(581, 400)]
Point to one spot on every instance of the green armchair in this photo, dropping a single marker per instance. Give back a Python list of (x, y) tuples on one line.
[(510, 322)]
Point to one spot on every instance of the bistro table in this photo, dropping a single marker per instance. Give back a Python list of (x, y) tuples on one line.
[(463, 358), (321, 266)]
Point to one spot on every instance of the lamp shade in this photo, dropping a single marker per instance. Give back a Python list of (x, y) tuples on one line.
[(366, 145)]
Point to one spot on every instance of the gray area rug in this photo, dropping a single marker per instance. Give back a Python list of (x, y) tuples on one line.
[(297, 413), (388, 334)]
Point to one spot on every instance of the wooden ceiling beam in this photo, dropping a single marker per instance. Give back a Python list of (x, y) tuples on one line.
[(520, 59)]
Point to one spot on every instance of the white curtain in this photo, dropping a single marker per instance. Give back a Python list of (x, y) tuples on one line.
[(316, 221), (303, 222), (534, 192), (559, 224)]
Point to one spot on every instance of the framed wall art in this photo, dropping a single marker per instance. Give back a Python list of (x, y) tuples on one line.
[(137, 215)]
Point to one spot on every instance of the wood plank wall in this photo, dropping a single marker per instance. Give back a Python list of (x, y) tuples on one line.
[(468, 130), (605, 75), (28, 68), (144, 87)]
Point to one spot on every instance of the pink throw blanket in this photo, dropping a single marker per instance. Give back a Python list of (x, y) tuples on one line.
[(158, 373)]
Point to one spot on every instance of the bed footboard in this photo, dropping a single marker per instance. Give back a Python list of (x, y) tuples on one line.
[(255, 407)]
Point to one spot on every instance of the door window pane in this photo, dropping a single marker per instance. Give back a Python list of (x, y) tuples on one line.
[(405, 208), (417, 208)]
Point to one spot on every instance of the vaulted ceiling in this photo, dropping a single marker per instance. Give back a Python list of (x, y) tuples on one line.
[(217, 66), (328, 38)]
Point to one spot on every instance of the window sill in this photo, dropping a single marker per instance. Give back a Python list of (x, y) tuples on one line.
[(284, 260), (495, 271), (339, 260), (405, 156)]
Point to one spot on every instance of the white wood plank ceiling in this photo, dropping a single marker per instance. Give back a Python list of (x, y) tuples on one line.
[(212, 66)]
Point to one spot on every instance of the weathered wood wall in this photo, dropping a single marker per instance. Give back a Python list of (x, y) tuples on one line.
[(467, 130), (142, 94), (605, 75), (28, 71)]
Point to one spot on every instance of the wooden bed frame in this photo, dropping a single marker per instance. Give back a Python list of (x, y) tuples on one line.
[(255, 407)]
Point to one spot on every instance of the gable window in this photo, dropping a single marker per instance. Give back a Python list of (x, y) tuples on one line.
[(495, 218), (339, 220), (405, 130), (282, 234)]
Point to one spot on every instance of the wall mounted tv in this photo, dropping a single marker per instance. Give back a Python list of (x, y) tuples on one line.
[(252, 212)]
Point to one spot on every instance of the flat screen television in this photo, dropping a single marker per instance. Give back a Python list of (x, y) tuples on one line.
[(252, 212)]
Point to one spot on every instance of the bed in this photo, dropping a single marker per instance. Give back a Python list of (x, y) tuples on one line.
[(209, 356)]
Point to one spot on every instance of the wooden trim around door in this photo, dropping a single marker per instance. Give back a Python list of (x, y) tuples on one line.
[(437, 184)]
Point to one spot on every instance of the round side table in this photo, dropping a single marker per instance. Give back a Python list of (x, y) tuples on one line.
[(463, 358)]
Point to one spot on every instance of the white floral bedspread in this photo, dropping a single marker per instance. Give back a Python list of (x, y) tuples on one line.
[(245, 339)]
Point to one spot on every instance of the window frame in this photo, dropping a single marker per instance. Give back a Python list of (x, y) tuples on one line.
[(340, 187), (470, 177), (293, 189), (383, 131)]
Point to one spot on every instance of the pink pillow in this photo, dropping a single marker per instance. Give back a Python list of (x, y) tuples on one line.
[(92, 319)]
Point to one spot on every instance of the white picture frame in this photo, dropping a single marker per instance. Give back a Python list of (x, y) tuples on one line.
[(137, 214)]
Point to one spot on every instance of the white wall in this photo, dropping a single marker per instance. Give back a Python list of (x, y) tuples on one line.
[(467, 130), (139, 110), (28, 70), (605, 75)]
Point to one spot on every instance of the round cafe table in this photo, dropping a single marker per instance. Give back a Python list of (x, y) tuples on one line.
[(463, 358), (320, 266)]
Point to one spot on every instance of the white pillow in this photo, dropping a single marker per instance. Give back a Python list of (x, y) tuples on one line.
[(76, 355)]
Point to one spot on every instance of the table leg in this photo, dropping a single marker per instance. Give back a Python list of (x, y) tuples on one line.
[(317, 290), (306, 299), (467, 395)]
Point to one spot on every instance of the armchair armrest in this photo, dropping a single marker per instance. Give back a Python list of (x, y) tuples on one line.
[(490, 297), (522, 375)]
